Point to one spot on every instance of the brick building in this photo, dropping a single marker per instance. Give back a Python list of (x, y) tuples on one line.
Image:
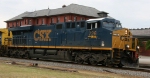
[(72, 12), (143, 36)]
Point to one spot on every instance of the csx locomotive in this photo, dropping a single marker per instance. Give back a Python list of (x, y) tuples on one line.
[(94, 41)]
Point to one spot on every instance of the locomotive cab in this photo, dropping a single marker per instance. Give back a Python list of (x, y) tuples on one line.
[(124, 48)]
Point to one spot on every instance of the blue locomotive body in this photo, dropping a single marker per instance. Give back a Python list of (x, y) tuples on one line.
[(94, 41), (69, 34)]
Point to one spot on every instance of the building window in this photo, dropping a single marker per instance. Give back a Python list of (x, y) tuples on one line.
[(42, 21), (25, 22), (51, 19), (20, 23), (29, 22), (16, 23), (65, 19), (75, 18), (7, 25), (82, 19), (13, 25), (37, 21), (58, 20)]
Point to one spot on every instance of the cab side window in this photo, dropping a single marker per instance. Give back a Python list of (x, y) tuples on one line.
[(93, 25), (89, 26)]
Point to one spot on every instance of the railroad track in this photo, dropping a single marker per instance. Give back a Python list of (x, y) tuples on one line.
[(143, 72)]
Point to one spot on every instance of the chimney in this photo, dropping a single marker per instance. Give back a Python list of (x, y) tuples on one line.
[(63, 6), (102, 14)]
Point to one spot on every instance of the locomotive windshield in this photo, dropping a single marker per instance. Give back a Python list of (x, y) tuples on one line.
[(108, 24), (118, 25), (111, 24)]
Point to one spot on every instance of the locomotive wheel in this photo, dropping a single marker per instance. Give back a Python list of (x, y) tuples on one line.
[(108, 63), (78, 60), (1, 53), (21, 55), (120, 65), (93, 61), (27, 55)]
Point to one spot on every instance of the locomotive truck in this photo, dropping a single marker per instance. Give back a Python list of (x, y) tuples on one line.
[(94, 41)]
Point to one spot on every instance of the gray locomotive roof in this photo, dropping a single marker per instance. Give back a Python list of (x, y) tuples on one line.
[(72, 8)]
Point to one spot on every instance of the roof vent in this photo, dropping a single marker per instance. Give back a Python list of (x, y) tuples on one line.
[(63, 6)]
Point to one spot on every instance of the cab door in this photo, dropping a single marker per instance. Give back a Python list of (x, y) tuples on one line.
[(91, 32), (60, 35)]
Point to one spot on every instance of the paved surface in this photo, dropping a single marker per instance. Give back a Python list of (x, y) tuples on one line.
[(144, 60)]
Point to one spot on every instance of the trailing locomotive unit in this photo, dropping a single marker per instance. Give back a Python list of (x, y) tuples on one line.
[(5, 40), (95, 41)]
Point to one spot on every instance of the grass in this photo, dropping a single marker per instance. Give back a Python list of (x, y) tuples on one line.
[(17, 71), (21, 71)]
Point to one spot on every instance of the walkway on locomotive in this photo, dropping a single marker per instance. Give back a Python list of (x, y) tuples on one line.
[(90, 34)]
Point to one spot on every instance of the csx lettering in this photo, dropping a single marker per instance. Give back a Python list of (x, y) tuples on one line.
[(42, 35)]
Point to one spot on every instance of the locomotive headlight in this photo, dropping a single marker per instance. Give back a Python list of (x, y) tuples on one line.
[(127, 46), (126, 31), (138, 47)]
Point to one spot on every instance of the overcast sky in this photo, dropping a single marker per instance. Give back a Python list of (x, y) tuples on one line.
[(131, 13)]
